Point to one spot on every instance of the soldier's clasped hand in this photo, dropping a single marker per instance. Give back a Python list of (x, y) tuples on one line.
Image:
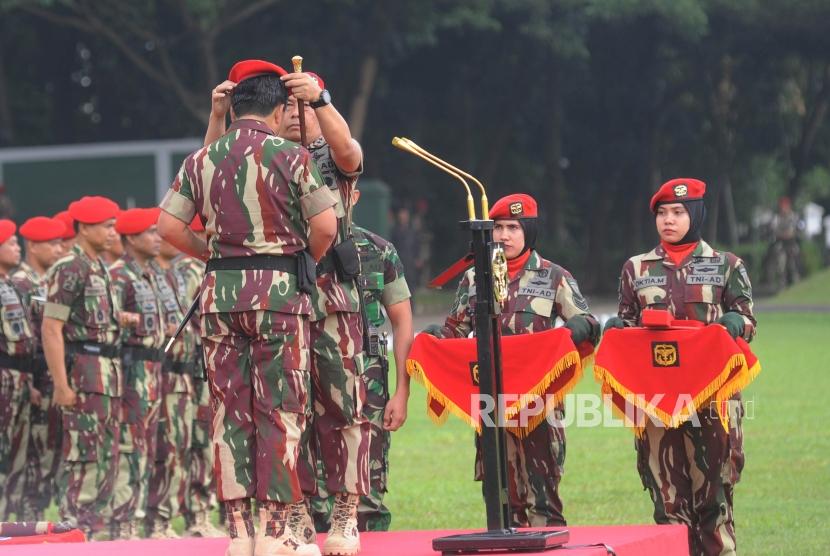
[(302, 86)]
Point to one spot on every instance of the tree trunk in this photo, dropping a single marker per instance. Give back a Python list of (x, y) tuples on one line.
[(812, 123), (360, 104), (729, 211), (556, 199), (6, 123)]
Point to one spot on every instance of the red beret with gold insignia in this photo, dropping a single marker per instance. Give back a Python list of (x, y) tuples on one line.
[(246, 69), (93, 210), (7, 229), (678, 190), (42, 228), (518, 205), (68, 222), (136, 221)]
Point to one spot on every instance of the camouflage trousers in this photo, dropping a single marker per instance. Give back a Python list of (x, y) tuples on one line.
[(257, 364), (535, 464), (690, 473), (140, 409), (42, 459), (200, 457), (168, 479), (14, 439), (89, 458), (372, 514), (339, 432)]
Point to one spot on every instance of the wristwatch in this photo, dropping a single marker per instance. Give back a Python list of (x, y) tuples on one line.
[(324, 100)]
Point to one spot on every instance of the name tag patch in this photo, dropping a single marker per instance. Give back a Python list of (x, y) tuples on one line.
[(546, 293), (646, 281), (714, 280)]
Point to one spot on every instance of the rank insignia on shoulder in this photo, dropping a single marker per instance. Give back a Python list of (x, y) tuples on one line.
[(681, 190)]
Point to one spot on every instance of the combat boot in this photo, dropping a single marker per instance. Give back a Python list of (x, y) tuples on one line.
[(300, 522), (275, 537), (160, 528), (343, 538), (202, 527), (240, 527), (124, 530)]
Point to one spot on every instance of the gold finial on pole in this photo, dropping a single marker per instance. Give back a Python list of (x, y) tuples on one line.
[(485, 208), (406, 145), (297, 61)]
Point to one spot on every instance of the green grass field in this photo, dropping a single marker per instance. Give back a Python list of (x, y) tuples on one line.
[(780, 504), (814, 290)]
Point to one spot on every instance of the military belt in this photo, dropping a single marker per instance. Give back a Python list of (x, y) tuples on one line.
[(22, 363), (94, 348), (141, 353), (325, 265), (178, 367), (283, 263)]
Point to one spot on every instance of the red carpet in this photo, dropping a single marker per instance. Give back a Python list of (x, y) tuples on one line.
[(631, 540)]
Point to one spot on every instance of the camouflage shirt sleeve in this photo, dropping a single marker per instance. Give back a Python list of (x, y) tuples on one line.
[(314, 196), (395, 288), (737, 296), (65, 286), (459, 323), (629, 309), (179, 200), (570, 302)]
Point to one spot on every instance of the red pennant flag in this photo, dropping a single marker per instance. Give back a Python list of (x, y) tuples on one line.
[(538, 370), (671, 373)]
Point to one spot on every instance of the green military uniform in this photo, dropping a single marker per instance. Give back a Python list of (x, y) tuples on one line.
[(255, 193), (168, 481), (536, 295), (690, 471), (17, 344), (80, 295), (383, 282), (137, 292), (43, 458)]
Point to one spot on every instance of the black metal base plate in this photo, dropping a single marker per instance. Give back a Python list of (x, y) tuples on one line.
[(505, 540)]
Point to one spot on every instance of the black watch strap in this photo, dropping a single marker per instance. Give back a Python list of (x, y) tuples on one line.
[(324, 100)]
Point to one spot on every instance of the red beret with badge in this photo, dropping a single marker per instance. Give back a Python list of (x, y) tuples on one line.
[(246, 69), (136, 221), (68, 222), (42, 228), (317, 78), (93, 210), (7, 230), (678, 190), (511, 207)]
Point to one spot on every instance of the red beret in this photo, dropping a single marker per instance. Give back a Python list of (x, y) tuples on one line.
[(42, 228), (136, 221), (93, 210), (518, 205), (7, 229), (68, 222), (318, 79), (678, 190), (251, 68), (196, 224)]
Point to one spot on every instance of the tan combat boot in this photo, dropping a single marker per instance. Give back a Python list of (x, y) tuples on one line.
[(275, 537), (240, 527), (343, 538), (124, 531), (300, 522), (160, 528), (202, 527)]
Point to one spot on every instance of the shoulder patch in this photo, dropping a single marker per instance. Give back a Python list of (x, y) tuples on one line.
[(70, 281), (579, 299)]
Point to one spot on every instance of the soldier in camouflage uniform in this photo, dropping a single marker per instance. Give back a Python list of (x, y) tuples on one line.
[(168, 483), (539, 291), (43, 247), (68, 239), (200, 483), (17, 344), (340, 433), (137, 292), (690, 471), (263, 205), (385, 292), (80, 340)]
